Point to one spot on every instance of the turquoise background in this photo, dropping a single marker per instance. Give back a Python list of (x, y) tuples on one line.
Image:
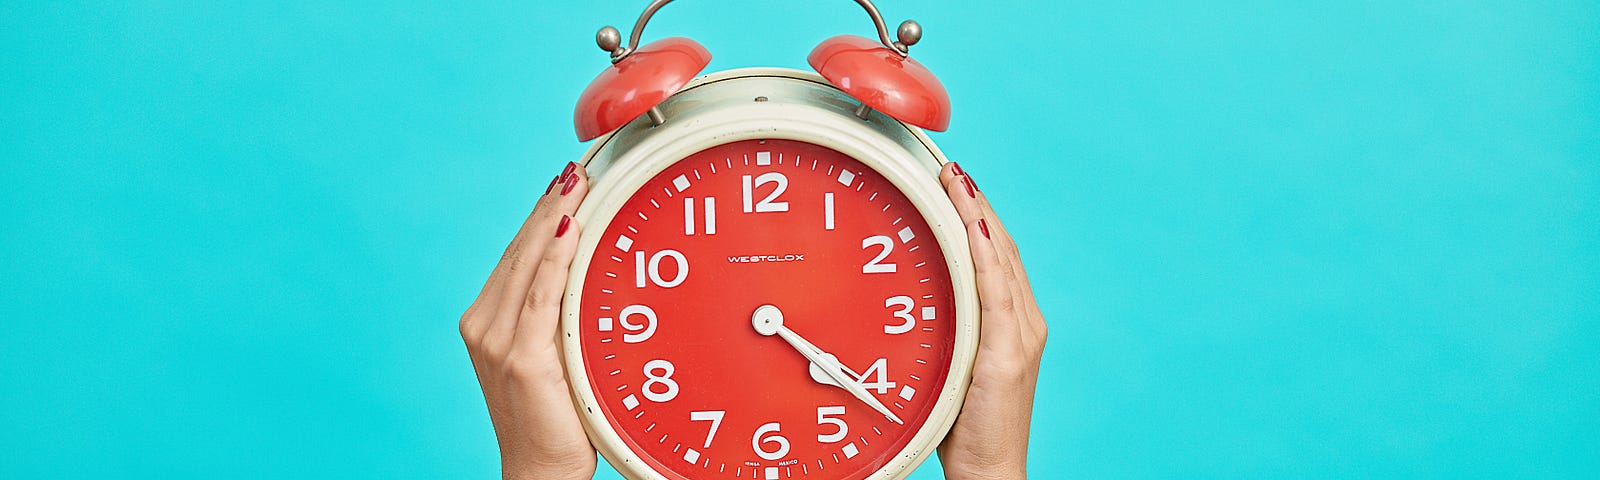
[(1272, 239)]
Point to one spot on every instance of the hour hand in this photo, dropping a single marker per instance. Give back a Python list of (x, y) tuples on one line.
[(768, 320), (821, 376)]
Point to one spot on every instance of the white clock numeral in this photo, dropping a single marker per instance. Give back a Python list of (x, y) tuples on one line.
[(766, 204), (881, 383), (761, 438), (710, 214), (641, 269), (827, 211), (888, 246), (665, 380), (713, 416), (905, 303), (824, 419), (646, 330)]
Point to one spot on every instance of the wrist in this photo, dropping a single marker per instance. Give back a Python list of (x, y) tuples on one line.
[(550, 473), (986, 475), (511, 469), (995, 470)]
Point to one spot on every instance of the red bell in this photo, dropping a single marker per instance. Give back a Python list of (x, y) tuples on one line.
[(884, 80), (637, 83)]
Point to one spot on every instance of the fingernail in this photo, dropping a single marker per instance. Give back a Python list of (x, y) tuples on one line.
[(966, 181), (956, 169), (561, 228), (982, 227), (572, 181), (552, 186), (970, 182), (568, 171)]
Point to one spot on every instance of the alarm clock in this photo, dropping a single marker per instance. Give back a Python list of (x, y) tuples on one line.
[(771, 282)]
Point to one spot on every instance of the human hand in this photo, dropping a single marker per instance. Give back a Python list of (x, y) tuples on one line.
[(511, 334), (990, 437)]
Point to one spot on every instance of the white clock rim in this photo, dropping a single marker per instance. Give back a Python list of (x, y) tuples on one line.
[(821, 115)]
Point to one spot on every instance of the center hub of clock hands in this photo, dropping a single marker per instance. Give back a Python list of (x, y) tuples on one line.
[(768, 320)]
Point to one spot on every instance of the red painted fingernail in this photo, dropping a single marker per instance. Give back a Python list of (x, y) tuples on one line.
[(966, 181), (561, 228), (970, 182), (956, 169), (572, 181), (552, 186), (982, 226), (568, 171)]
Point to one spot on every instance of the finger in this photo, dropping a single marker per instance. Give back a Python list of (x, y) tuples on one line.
[(971, 204), (541, 308), (949, 172), (514, 251), (519, 270), (1010, 263), (478, 317), (963, 194), (1033, 321), (1003, 240), (998, 329)]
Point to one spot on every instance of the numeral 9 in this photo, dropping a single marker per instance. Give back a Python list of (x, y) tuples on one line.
[(645, 330)]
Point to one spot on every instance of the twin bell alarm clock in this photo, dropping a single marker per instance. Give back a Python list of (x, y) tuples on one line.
[(772, 282)]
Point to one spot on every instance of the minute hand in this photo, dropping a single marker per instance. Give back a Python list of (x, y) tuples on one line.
[(835, 370)]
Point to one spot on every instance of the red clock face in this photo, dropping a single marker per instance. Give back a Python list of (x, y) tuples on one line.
[(767, 309)]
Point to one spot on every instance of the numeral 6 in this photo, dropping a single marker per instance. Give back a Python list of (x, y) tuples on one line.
[(761, 438)]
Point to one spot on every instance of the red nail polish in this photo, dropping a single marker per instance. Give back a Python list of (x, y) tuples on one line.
[(552, 186), (956, 169), (572, 181), (970, 182), (561, 228), (966, 181), (982, 226), (568, 171)]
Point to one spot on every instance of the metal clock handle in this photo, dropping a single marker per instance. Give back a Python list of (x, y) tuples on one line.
[(610, 39)]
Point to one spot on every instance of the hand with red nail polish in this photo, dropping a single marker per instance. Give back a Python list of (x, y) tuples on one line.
[(511, 334), (990, 437)]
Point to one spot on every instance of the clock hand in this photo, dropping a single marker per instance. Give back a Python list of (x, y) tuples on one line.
[(818, 373), (835, 371), (768, 320), (823, 378)]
